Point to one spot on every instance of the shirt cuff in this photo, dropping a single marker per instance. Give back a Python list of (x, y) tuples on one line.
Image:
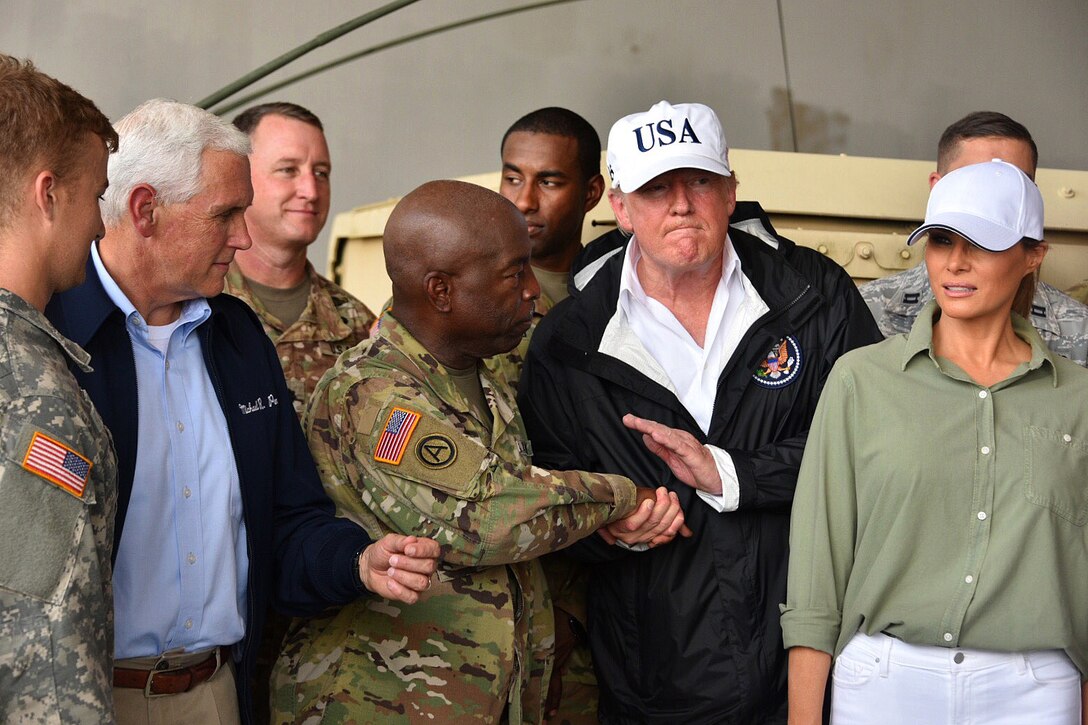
[(729, 498)]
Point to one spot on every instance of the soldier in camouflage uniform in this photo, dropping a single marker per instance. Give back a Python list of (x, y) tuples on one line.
[(58, 479), (896, 300), (551, 161), (310, 319), (411, 434)]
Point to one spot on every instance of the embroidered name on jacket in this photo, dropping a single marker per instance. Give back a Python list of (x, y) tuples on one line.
[(264, 403), (781, 365)]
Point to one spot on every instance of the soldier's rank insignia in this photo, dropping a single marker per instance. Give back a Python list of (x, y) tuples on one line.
[(781, 365), (398, 430), (57, 463), (436, 451)]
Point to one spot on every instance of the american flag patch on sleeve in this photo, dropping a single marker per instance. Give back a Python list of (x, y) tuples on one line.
[(395, 436), (57, 463)]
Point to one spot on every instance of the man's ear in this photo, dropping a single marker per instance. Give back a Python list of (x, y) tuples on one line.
[(45, 193), (439, 291), (594, 190), (616, 199), (141, 209)]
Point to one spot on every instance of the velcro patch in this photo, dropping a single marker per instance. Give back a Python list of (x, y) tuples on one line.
[(57, 463), (395, 436), (439, 456)]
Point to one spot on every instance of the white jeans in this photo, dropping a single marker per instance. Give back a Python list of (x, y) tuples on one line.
[(879, 679)]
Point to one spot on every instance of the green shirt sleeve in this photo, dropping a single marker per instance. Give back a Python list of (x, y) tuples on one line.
[(823, 524)]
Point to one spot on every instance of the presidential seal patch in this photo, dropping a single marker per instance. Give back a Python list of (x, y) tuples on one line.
[(781, 365), (436, 451)]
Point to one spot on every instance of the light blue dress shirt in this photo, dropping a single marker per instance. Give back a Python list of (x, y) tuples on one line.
[(180, 577)]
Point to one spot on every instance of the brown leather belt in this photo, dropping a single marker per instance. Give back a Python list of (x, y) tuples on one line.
[(171, 682)]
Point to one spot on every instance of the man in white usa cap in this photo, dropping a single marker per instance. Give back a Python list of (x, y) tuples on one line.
[(693, 358)]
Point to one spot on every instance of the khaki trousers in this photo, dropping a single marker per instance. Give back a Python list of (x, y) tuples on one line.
[(212, 702)]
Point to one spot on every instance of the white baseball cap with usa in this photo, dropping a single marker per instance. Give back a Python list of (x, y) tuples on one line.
[(667, 137)]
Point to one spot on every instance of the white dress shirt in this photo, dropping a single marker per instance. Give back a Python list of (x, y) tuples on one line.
[(646, 335)]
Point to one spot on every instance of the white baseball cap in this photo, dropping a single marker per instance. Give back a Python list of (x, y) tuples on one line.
[(993, 205), (685, 136)]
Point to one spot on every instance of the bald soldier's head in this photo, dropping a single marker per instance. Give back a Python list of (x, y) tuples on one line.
[(458, 257)]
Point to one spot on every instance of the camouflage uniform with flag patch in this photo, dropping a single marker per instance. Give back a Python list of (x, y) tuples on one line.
[(333, 321), (568, 579), (478, 645), (58, 498)]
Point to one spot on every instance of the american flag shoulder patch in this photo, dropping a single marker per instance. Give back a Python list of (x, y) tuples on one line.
[(57, 463), (398, 430)]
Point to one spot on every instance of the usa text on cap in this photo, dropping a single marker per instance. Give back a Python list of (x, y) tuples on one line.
[(685, 136)]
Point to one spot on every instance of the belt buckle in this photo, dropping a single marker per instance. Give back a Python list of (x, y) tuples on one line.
[(162, 660), (151, 678)]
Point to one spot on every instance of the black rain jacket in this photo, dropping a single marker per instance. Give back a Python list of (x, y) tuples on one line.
[(689, 632)]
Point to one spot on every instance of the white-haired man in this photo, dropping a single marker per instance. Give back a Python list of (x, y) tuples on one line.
[(727, 340), (220, 508)]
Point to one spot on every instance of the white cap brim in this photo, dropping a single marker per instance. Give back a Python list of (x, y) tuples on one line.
[(670, 162), (981, 232)]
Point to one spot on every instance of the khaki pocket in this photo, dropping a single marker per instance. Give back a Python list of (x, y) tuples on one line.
[(1056, 473)]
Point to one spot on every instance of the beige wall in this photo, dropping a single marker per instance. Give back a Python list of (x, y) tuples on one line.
[(869, 77)]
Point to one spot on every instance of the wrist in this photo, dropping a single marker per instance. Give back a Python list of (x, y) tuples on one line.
[(357, 570)]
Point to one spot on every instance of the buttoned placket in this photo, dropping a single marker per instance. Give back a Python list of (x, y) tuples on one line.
[(980, 516)]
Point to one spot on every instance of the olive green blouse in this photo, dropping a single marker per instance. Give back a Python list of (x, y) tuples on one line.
[(940, 511)]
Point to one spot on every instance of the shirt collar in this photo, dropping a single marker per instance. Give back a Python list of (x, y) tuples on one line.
[(920, 339), (193, 312)]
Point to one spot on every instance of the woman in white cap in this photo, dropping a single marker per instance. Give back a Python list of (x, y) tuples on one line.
[(938, 547)]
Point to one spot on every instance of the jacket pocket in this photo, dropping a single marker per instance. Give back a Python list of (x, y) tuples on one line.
[(26, 666), (1055, 463)]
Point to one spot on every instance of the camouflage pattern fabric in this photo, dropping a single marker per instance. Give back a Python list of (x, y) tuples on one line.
[(568, 580), (1062, 321), (333, 321), (56, 530), (478, 645), (1079, 292)]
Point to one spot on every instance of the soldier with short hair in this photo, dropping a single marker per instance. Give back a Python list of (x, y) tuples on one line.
[(896, 300), (310, 319), (412, 434), (58, 477), (551, 171)]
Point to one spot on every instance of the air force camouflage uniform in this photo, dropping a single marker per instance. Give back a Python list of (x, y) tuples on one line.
[(1061, 321), (333, 321), (58, 497), (400, 451)]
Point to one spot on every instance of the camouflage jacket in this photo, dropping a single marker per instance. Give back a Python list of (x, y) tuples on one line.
[(399, 452), (58, 485), (333, 321), (896, 300)]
